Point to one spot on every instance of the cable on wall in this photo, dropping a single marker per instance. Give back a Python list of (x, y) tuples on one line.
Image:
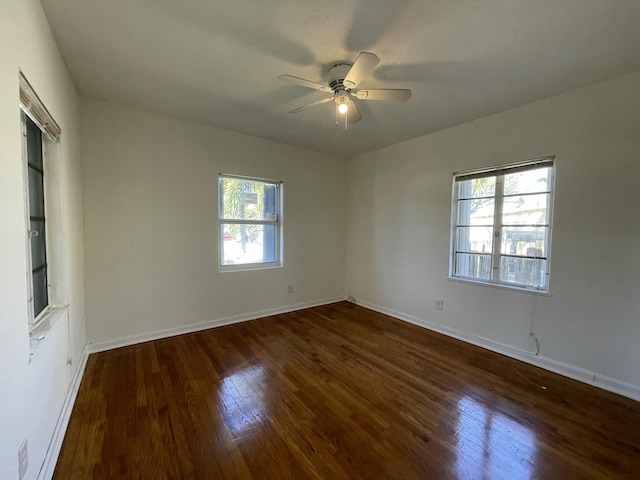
[(532, 332)]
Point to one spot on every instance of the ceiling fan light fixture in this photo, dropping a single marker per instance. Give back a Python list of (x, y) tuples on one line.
[(342, 100)]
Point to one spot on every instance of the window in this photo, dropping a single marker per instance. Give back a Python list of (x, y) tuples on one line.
[(501, 225), (249, 223), (40, 135)]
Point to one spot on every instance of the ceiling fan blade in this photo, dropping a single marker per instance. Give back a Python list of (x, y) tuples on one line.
[(365, 63), (392, 94), (304, 83), (319, 102), (353, 114)]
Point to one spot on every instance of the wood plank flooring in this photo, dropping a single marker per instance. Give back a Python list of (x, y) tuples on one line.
[(337, 392)]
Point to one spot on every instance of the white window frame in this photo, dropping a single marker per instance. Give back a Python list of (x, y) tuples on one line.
[(32, 107), (277, 223), (499, 172)]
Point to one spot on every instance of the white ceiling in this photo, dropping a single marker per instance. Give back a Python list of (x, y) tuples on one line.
[(217, 62)]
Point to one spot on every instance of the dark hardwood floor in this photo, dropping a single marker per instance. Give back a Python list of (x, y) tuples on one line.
[(336, 392)]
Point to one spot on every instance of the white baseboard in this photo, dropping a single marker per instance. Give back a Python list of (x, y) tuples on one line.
[(196, 327), (587, 376), (51, 457), (576, 373)]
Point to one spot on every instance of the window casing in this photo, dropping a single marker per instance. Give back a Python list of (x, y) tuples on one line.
[(43, 220), (501, 225), (249, 223)]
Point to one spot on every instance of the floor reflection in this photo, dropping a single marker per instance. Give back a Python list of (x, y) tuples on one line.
[(242, 402), (491, 445)]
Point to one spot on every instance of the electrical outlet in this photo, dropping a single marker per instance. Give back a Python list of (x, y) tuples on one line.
[(440, 305), (23, 460), (290, 288)]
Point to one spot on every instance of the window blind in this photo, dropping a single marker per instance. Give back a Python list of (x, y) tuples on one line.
[(505, 169), (34, 107)]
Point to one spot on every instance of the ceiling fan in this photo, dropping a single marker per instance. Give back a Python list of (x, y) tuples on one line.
[(342, 78)]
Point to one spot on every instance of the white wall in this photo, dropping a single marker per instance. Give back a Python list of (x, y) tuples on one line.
[(32, 394), (399, 207), (150, 197)]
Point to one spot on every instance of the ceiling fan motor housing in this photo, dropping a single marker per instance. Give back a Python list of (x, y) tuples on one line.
[(335, 76)]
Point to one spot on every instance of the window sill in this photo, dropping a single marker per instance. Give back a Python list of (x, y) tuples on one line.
[(248, 266), (501, 286), (39, 331)]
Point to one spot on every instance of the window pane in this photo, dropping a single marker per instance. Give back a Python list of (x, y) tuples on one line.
[(530, 181), (473, 265), (476, 212), (242, 243), (40, 297), (526, 210), (477, 187), (474, 239), (36, 193), (38, 244), (34, 143), (523, 271), (248, 200), (524, 241)]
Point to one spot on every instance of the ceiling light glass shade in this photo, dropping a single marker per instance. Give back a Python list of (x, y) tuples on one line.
[(343, 108)]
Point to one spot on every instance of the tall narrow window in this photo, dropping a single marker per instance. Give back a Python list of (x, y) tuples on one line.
[(249, 223), (43, 219), (501, 225)]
